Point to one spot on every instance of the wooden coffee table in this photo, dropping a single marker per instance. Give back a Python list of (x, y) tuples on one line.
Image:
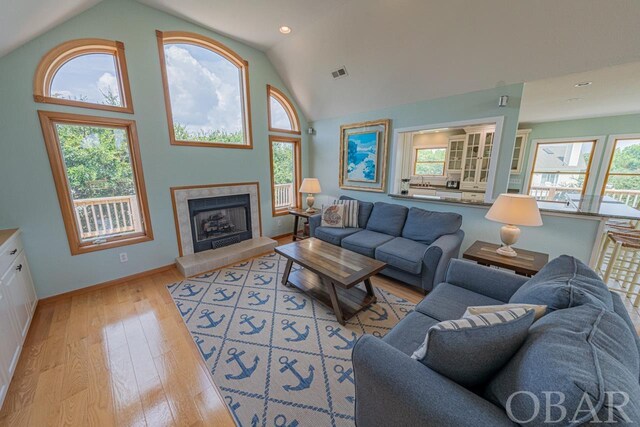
[(330, 274)]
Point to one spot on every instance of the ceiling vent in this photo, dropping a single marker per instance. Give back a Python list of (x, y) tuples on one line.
[(340, 72)]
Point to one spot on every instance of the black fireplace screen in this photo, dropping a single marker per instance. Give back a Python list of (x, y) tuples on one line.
[(220, 221)]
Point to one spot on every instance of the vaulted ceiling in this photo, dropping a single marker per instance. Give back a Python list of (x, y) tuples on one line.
[(395, 51)]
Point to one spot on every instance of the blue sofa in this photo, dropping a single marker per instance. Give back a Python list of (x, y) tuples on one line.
[(585, 344), (415, 243)]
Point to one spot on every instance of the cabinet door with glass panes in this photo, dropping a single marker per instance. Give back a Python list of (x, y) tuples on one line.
[(471, 154), (484, 161), (518, 150), (456, 150)]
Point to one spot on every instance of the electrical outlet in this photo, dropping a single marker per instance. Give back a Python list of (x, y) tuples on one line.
[(279, 222), (124, 257)]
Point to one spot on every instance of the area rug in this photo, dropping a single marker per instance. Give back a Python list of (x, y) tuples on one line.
[(277, 356)]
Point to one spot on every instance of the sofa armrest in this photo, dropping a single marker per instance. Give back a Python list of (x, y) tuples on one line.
[(438, 255), (394, 390), (491, 282), (314, 222)]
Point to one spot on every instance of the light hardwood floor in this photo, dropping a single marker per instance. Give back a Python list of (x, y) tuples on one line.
[(121, 356)]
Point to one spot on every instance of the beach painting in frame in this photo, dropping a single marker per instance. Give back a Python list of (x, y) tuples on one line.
[(362, 156)]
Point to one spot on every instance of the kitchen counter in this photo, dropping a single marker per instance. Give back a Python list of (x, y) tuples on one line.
[(593, 206)]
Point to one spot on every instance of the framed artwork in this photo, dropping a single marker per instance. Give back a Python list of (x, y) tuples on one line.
[(363, 155)]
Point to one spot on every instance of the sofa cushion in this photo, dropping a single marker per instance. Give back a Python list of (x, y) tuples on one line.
[(584, 352), (403, 254), (447, 302), (387, 218), (334, 235), (365, 242), (408, 334), (564, 282), (425, 226), (471, 350), (364, 211)]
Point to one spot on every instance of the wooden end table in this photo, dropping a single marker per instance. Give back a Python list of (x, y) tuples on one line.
[(330, 274), (527, 263), (297, 214)]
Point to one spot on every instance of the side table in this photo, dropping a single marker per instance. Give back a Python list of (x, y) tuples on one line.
[(527, 263), (297, 214)]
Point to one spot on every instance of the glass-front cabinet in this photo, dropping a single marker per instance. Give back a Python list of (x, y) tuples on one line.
[(456, 150), (477, 156), (518, 150)]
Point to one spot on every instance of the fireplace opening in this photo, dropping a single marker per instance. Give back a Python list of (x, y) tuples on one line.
[(220, 221)]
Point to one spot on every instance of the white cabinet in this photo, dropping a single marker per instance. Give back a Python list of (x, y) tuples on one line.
[(518, 150), (17, 304), (477, 157), (455, 152)]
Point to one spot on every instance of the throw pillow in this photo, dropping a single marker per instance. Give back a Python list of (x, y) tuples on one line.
[(562, 283), (586, 357), (350, 212), (539, 310), (333, 216), (471, 350)]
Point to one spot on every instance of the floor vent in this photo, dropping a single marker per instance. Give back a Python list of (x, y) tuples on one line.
[(340, 72)]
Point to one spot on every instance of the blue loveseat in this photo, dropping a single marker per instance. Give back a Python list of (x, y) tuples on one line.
[(415, 243), (585, 347)]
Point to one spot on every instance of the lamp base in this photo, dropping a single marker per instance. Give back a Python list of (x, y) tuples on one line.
[(509, 235), (507, 251), (310, 201)]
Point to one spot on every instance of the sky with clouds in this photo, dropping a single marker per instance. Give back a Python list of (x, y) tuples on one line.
[(87, 77), (204, 87)]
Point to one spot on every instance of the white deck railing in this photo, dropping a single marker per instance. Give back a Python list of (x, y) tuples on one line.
[(629, 197), (105, 216), (284, 195)]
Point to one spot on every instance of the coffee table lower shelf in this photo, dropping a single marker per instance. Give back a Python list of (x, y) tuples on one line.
[(346, 303)]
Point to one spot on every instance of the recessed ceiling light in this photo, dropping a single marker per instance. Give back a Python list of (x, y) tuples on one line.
[(574, 99), (583, 84), (285, 30)]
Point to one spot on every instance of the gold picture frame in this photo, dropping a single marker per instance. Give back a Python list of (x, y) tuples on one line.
[(364, 168)]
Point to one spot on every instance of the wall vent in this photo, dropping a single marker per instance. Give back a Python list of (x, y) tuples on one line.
[(340, 72)]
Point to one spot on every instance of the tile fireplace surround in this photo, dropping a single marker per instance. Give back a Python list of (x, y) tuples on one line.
[(190, 263)]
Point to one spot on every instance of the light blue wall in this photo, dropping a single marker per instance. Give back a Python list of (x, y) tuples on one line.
[(597, 126), (27, 191), (559, 235)]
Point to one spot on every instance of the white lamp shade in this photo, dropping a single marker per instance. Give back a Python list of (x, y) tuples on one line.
[(515, 209), (311, 186)]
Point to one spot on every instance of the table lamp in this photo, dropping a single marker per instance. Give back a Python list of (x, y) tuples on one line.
[(513, 210), (310, 186)]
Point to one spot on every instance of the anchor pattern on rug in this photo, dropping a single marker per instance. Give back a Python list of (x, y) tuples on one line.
[(245, 371), (248, 320), (337, 332), (212, 323), (291, 326), (279, 357), (304, 382), (294, 302)]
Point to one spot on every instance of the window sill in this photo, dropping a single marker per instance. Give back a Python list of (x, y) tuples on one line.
[(84, 248), (212, 144), (90, 105)]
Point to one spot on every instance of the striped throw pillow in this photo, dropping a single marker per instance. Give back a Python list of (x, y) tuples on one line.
[(478, 321), (350, 212)]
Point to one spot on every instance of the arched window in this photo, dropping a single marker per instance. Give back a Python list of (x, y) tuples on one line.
[(206, 89), (281, 114), (88, 73)]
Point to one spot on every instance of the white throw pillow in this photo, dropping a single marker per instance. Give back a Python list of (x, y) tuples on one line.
[(540, 310), (350, 212), (333, 216)]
